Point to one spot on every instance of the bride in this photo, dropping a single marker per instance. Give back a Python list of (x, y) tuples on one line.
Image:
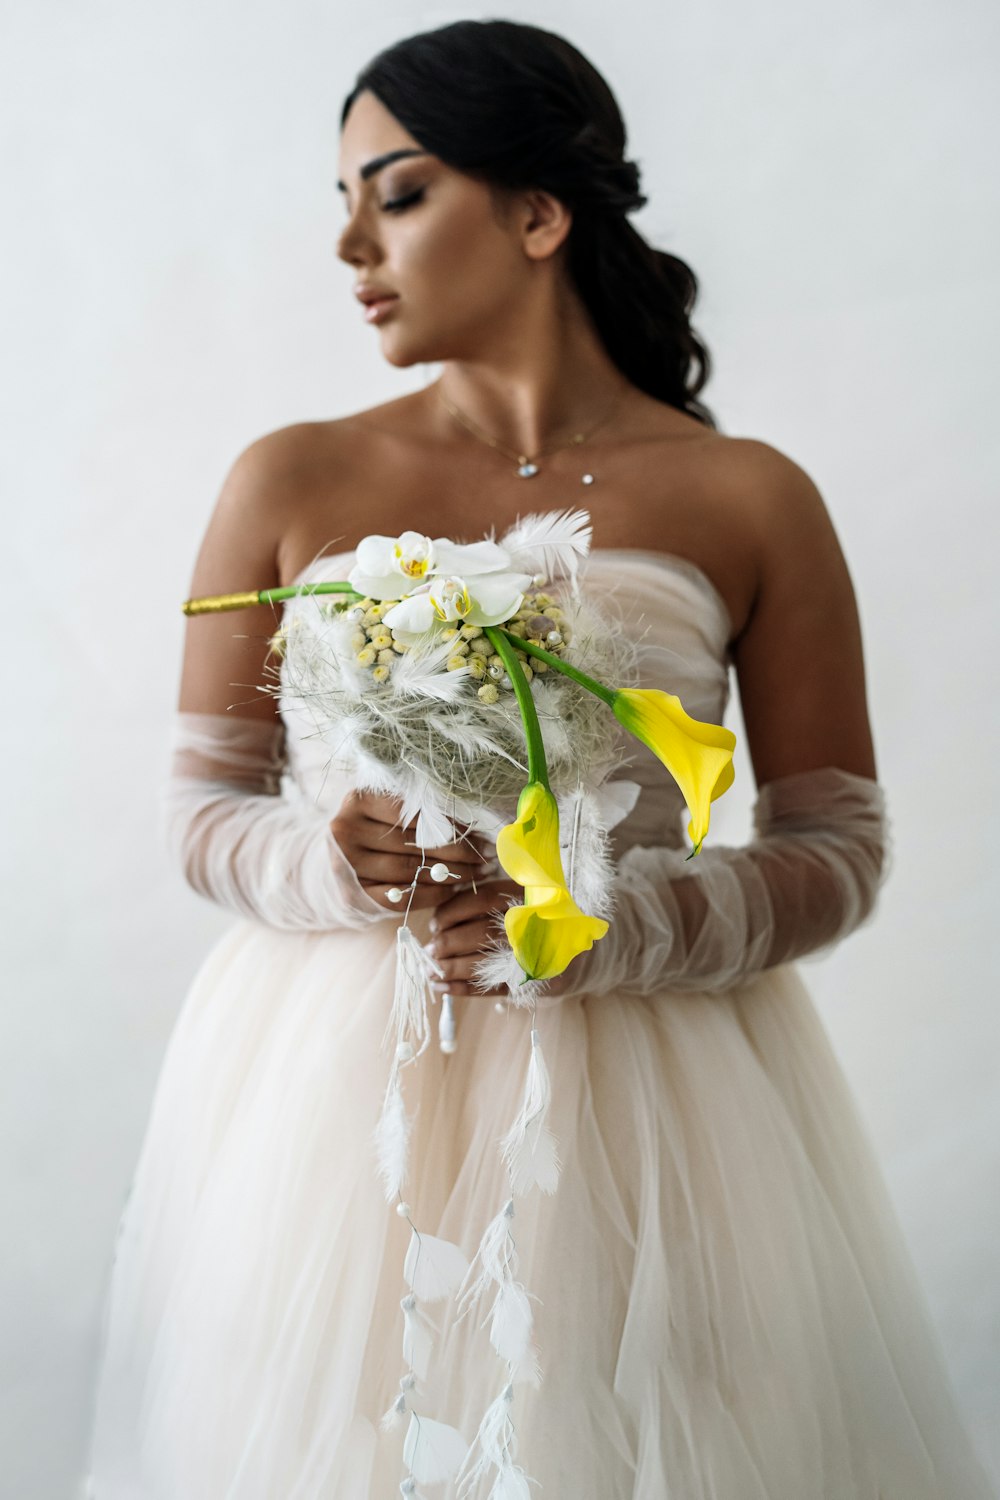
[(725, 1308)]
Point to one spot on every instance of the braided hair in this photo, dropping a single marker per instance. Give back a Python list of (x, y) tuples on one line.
[(519, 107)]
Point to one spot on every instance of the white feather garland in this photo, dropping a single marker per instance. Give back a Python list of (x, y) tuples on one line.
[(433, 1267), (529, 1148), (432, 1450)]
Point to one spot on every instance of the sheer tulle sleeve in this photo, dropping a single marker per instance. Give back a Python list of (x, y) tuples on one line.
[(809, 876), (243, 844)]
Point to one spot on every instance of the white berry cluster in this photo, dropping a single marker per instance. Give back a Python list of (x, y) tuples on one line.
[(538, 620), (373, 642)]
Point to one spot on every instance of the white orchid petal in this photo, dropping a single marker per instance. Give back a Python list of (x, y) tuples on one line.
[(368, 586), (375, 556), (496, 596), (471, 560), (414, 615)]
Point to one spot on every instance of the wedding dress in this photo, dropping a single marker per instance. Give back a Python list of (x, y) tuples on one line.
[(725, 1308)]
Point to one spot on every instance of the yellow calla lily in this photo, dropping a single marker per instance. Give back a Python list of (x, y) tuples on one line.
[(549, 930), (699, 756)]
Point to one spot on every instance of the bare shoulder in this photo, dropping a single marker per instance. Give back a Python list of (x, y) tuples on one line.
[(799, 660)]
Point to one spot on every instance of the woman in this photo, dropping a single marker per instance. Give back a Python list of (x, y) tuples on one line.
[(725, 1306)]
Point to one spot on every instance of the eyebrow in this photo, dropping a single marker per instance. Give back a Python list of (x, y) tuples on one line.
[(378, 162)]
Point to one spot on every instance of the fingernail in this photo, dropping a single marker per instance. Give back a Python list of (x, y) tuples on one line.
[(434, 924)]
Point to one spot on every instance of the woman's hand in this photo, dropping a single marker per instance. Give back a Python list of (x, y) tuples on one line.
[(385, 855), (464, 926)]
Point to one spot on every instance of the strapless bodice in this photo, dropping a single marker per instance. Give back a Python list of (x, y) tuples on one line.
[(680, 621)]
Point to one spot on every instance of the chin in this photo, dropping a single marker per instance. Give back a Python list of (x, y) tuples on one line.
[(403, 352)]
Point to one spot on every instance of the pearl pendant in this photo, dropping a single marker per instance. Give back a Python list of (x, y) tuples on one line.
[(587, 479), (527, 469)]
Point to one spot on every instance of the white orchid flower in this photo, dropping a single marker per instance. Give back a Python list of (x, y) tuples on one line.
[(486, 599), (388, 567)]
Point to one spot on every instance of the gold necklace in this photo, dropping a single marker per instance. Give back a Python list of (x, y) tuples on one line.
[(528, 467)]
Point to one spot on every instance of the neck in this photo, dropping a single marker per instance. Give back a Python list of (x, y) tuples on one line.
[(545, 377)]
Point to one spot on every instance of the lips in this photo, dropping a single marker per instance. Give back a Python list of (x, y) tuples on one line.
[(378, 307)]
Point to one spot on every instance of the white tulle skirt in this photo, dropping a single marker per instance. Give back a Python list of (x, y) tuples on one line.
[(726, 1309)]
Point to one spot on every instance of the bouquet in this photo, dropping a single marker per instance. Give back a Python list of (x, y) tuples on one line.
[(471, 682)]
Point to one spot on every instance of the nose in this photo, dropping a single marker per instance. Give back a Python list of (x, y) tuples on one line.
[(355, 247)]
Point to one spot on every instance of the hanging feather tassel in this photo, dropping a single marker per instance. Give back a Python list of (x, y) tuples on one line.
[(418, 1336), (432, 1450), (497, 1256), (529, 1148), (433, 1267), (392, 1138), (408, 1016), (495, 1436)]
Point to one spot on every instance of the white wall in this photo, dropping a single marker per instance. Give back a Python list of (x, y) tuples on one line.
[(829, 172)]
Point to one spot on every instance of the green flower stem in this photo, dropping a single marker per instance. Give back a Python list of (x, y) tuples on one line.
[(606, 694), (216, 603), (537, 765), (275, 596)]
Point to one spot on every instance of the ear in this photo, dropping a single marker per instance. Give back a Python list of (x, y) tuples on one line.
[(546, 223)]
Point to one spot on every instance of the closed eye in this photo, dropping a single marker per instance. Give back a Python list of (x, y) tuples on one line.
[(396, 204)]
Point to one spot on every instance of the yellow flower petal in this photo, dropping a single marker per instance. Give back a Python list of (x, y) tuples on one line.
[(549, 930), (547, 938), (699, 756)]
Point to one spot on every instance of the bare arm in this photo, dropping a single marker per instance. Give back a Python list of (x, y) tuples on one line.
[(237, 841)]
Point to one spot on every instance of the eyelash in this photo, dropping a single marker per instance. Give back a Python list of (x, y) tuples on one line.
[(397, 204)]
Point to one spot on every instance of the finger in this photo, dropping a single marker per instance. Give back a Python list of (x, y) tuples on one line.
[(420, 899), (472, 937), (457, 972), (374, 835), (464, 905)]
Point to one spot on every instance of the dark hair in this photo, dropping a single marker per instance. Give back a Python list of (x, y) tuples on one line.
[(520, 108)]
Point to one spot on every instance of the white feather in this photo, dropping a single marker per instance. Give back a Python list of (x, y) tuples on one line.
[(433, 1267), (434, 828), (496, 1432), (419, 673), (511, 1483), (529, 1147), (394, 1416), (408, 1016), (432, 1450), (552, 543), (392, 1139), (527, 1369), (512, 1322), (496, 1256)]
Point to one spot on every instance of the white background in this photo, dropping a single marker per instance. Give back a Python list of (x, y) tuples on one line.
[(830, 174)]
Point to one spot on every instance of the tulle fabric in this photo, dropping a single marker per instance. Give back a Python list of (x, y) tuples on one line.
[(725, 1307), (809, 877), (244, 846)]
